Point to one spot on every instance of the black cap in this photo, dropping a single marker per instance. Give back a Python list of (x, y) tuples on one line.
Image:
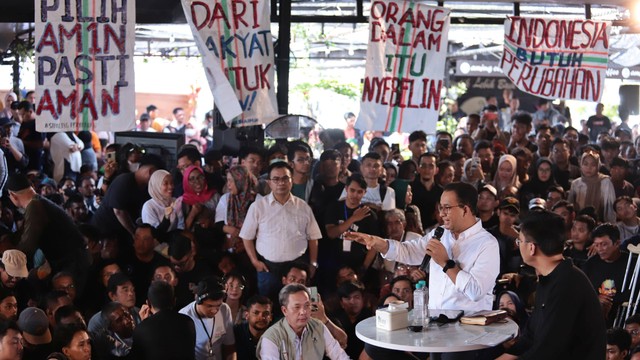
[(18, 182)]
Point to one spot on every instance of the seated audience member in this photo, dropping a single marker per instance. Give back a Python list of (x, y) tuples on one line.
[(506, 175), (144, 260), (402, 287), (618, 344), (628, 220), (34, 325), (619, 170), (162, 211), (606, 270), (73, 341), (212, 320), (68, 314), (566, 321), (313, 339), (11, 341), (414, 222), (197, 195), (121, 290), (539, 184), (593, 189), (472, 173), (352, 311), (189, 270), (554, 195), (247, 333), (115, 342), (234, 285), (63, 281), (578, 244), (151, 338), (632, 326), (395, 222), (506, 234), (8, 305), (488, 201), (568, 213)]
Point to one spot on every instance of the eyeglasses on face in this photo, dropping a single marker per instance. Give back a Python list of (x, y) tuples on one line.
[(280, 180), (446, 209)]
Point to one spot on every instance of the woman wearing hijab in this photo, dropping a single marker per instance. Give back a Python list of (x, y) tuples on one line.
[(233, 206), (196, 195), (162, 211), (472, 173), (539, 183), (506, 175), (593, 189)]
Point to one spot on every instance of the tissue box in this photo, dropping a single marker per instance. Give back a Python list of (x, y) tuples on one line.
[(395, 317)]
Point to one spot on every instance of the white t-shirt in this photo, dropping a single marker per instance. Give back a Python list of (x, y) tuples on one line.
[(221, 328)]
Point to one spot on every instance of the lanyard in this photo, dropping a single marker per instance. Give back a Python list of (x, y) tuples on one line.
[(213, 328)]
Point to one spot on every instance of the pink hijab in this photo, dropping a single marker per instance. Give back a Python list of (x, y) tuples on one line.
[(190, 197)]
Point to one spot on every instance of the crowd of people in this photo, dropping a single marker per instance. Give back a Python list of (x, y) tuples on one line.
[(108, 252)]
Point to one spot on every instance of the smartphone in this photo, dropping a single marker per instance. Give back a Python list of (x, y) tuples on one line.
[(111, 156), (314, 293), (395, 147)]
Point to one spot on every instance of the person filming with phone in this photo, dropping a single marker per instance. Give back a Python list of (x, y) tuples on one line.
[(463, 264)]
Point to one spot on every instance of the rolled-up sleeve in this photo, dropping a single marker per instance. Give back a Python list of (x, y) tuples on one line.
[(332, 347), (478, 280)]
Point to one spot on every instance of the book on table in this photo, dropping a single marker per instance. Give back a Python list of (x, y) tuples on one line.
[(484, 317)]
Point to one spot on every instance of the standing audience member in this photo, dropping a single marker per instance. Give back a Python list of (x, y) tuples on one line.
[(593, 189), (11, 344)]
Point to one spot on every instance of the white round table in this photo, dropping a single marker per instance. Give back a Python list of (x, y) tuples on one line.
[(452, 337)]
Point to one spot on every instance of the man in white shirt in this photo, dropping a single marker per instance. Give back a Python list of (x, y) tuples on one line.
[(464, 263), (212, 319), (278, 229), (298, 335)]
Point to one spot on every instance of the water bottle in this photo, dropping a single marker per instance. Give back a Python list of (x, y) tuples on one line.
[(419, 306), (426, 302)]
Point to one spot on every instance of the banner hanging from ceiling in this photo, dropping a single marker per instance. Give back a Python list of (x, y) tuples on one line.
[(84, 65), (405, 65), (234, 39), (557, 58)]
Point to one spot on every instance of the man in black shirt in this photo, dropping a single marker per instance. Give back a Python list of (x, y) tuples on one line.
[(567, 322), (48, 227), (606, 270), (352, 311), (144, 261), (426, 193), (188, 269), (123, 201), (248, 333), (165, 334)]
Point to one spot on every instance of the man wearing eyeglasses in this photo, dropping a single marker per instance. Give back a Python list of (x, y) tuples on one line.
[(279, 228), (464, 263), (567, 322)]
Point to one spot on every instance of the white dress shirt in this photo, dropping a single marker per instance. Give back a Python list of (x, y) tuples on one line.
[(476, 253), (282, 231)]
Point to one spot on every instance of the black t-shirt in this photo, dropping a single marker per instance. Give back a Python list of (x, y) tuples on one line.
[(426, 201), (566, 322), (336, 214), (494, 220), (354, 344), (246, 344), (140, 274), (607, 278), (123, 194), (596, 125), (187, 281), (510, 258)]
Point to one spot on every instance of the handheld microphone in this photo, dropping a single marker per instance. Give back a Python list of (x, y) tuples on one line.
[(425, 262)]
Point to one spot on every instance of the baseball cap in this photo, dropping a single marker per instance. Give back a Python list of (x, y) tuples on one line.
[(537, 203), (48, 182), (490, 189), (35, 326), (510, 203), (15, 263)]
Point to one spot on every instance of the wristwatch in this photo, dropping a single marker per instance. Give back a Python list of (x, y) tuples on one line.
[(450, 264)]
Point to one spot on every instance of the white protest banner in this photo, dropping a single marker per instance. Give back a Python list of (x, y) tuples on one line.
[(84, 65), (405, 66), (557, 58), (234, 38)]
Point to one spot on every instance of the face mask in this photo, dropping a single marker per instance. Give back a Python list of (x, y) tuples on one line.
[(133, 167)]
